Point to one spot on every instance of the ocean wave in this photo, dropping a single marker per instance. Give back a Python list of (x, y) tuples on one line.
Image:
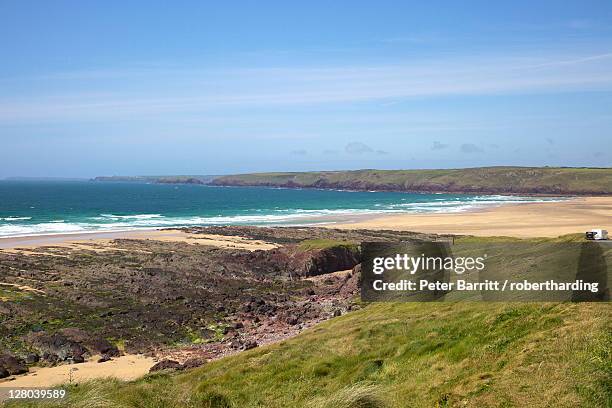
[(254, 216), (128, 217), (39, 229)]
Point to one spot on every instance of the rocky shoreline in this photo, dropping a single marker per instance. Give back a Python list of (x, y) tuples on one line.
[(181, 303)]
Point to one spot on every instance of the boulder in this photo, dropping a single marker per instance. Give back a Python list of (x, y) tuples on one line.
[(12, 364), (194, 362), (57, 347), (166, 365), (4, 372), (94, 344), (104, 358), (31, 358), (103, 346)]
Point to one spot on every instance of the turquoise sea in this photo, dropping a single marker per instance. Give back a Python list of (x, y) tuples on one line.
[(53, 207)]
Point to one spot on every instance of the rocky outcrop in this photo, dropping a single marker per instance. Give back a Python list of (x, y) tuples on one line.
[(295, 261), (173, 365), (172, 293), (11, 365), (193, 362), (169, 365), (70, 345), (94, 344), (56, 348)]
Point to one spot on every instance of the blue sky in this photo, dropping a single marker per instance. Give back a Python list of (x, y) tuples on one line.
[(102, 88)]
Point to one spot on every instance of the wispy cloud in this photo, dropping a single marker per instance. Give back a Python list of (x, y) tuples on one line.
[(357, 148), (141, 92), (470, 148), (438, 146)]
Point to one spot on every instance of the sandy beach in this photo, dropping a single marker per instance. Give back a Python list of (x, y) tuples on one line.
[(545, 219), (549, 219), (99, 241), (127, 367)]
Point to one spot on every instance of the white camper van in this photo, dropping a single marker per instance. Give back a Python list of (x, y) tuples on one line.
[(597, 234)]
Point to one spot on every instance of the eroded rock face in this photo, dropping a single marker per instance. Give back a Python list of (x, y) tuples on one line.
[(152, 294), (296, 262), (70, 345), (56, 348), (11, 365), (94, 344)]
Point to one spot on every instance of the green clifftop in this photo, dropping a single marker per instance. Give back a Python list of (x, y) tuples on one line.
[(491, 180)]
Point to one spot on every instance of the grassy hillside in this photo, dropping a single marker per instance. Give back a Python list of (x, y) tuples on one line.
[(399, 355), (534, 180)]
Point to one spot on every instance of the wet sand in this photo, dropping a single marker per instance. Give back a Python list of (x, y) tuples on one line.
[(546, 219), (549, 219)]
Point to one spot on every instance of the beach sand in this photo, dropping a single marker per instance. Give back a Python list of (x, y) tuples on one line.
[(101, 241), (128, 367), (519, 220), (547, 219)]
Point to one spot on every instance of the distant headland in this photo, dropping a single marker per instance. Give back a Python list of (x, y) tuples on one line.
[(485, 180)]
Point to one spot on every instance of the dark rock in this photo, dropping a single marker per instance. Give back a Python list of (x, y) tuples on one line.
[(194, 362), (166, 365), (31, 358), (12, 364), (77, 359), (104, 358), (103, 346), (4, 372), (251, 344), (238, 325), (292, 320), (57, 347)]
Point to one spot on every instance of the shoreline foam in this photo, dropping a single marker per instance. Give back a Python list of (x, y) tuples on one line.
[(111, 223), (574, 215)]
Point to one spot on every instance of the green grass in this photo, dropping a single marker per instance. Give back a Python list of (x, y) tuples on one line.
[(547, 180), (400, 355), (11, 294)]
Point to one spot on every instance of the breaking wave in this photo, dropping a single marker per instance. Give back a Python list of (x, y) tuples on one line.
[(24, 226)]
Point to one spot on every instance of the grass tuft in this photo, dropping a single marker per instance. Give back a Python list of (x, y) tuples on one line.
[(355, 396)]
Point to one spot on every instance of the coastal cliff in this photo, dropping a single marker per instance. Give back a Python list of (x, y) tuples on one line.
[(485, 180)]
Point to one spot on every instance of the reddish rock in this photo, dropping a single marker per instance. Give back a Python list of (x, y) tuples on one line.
[(166, 365), (194, 362)]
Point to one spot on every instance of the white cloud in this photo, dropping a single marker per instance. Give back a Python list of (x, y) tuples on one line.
[(357, 148)]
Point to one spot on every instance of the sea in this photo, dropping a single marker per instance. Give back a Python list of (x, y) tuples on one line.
[(62, 207)]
